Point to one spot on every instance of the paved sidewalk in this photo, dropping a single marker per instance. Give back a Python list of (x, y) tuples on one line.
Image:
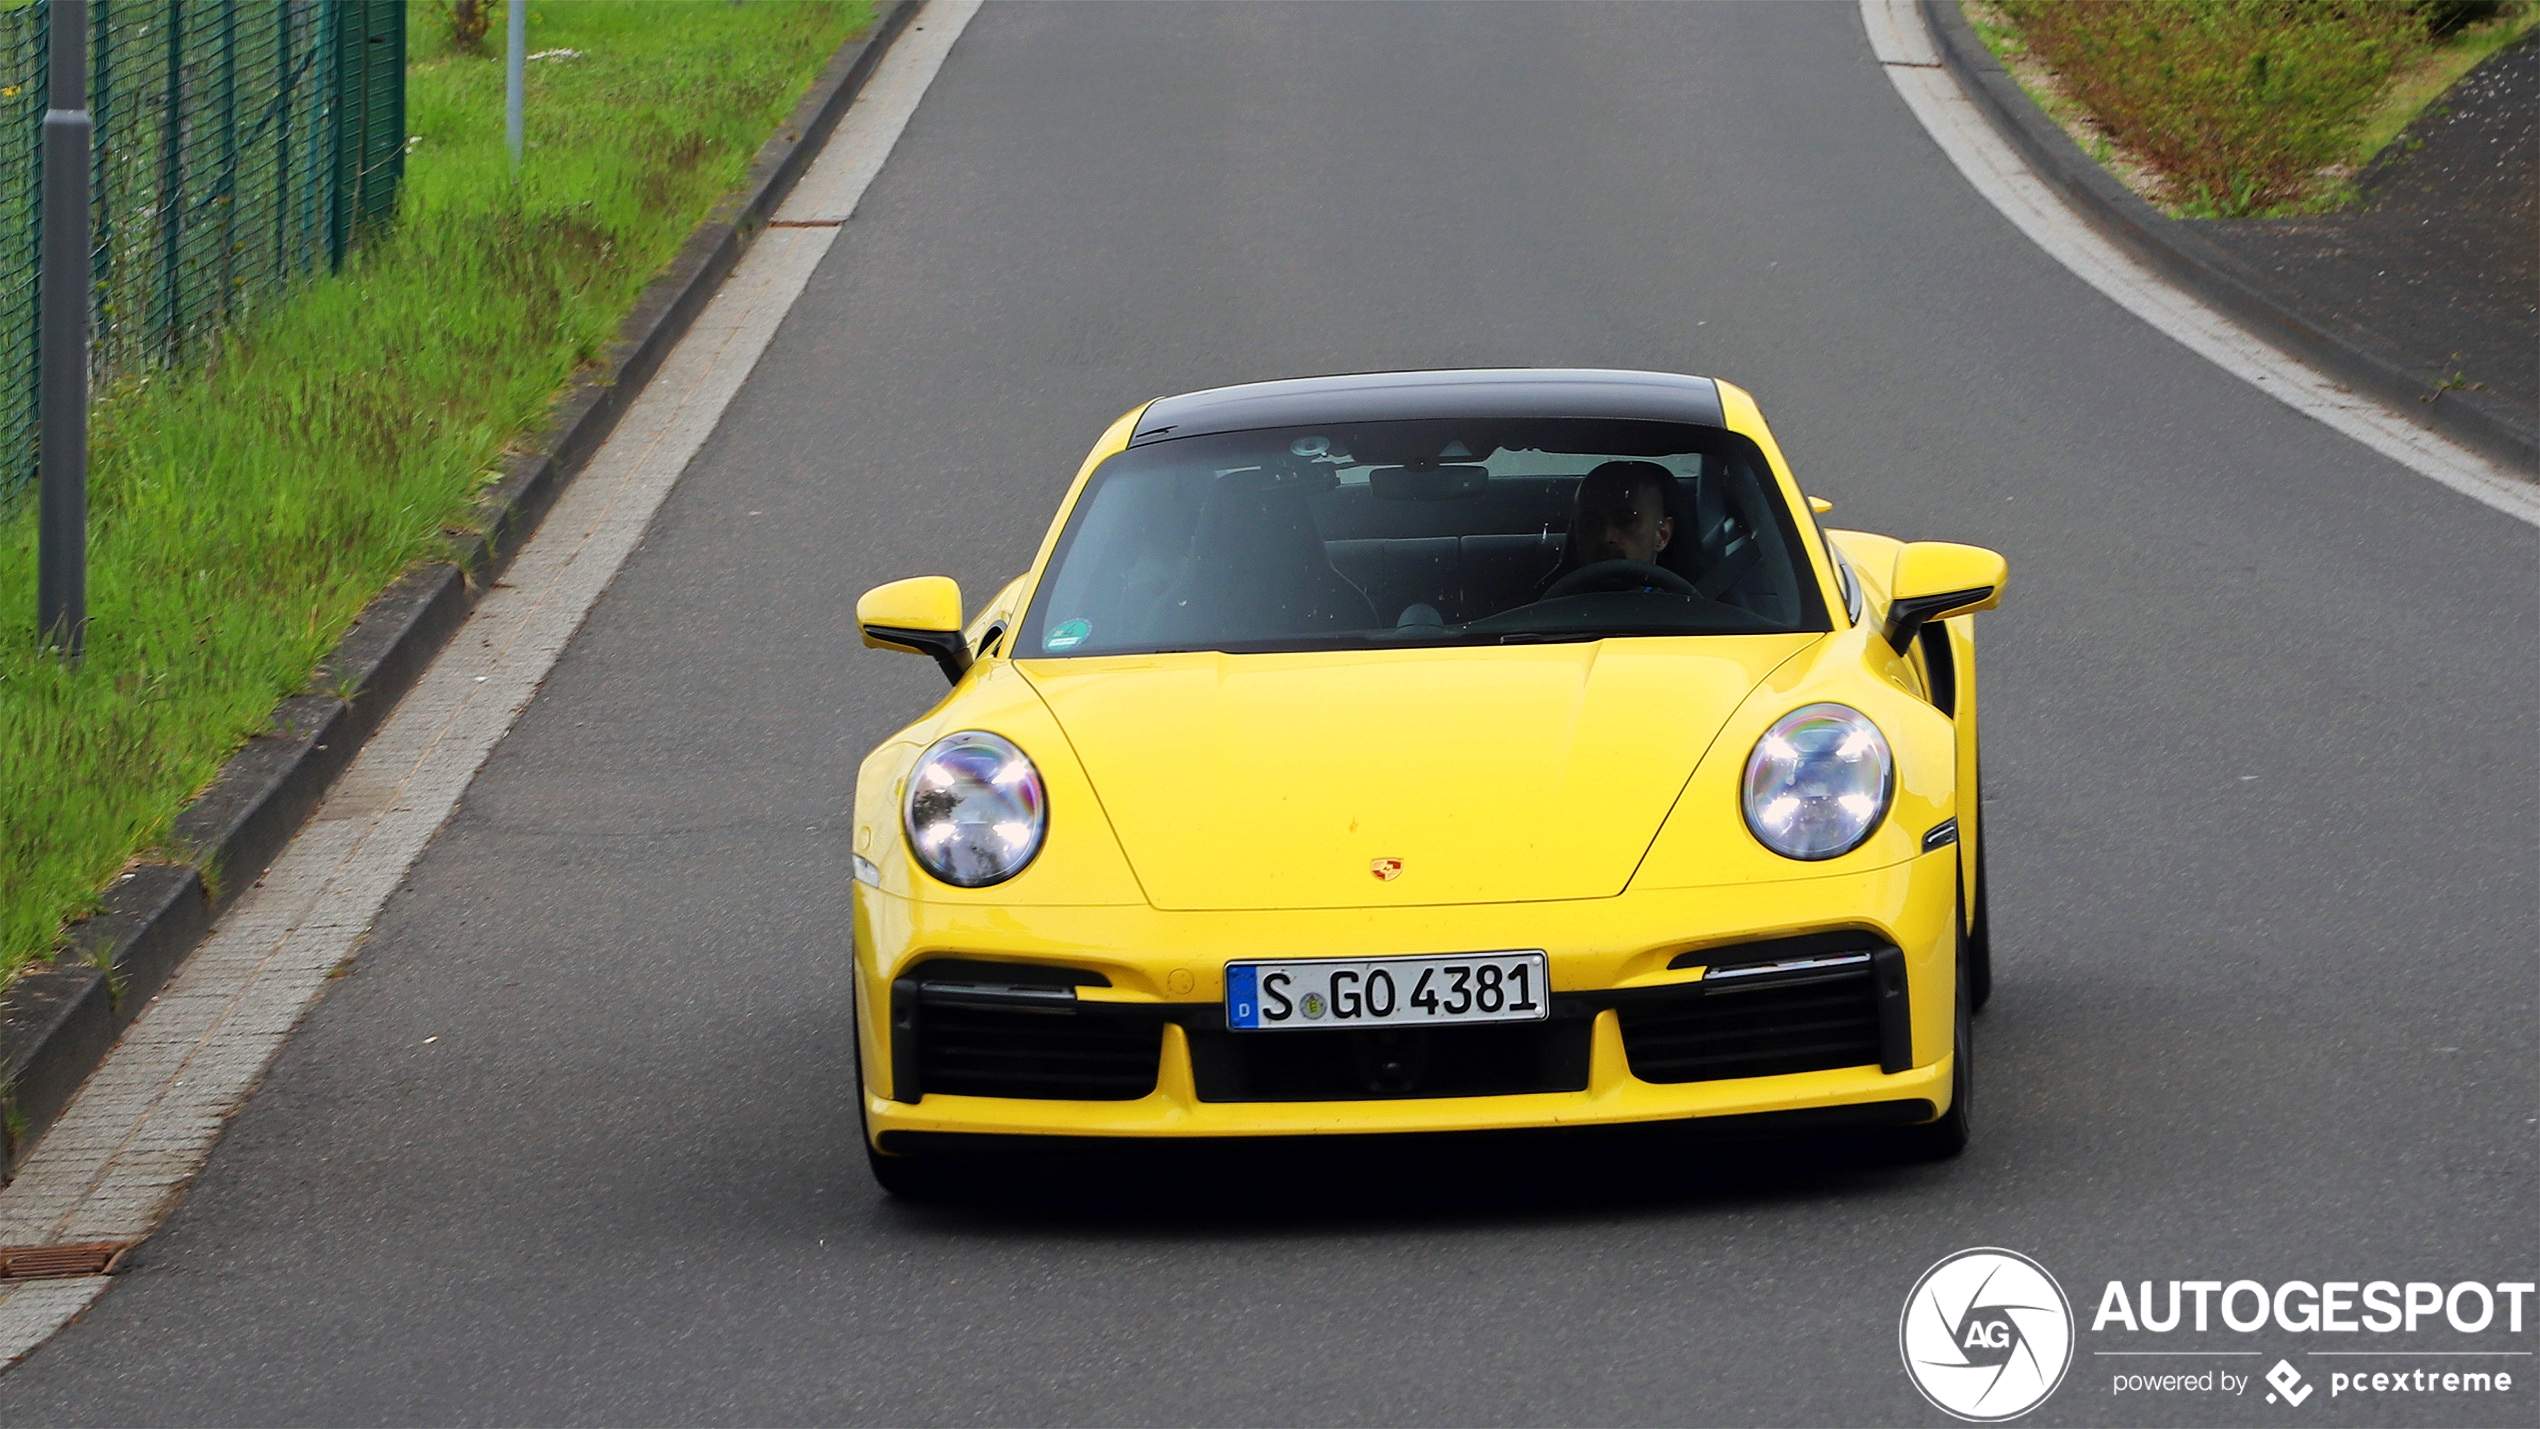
[(2440, 259)]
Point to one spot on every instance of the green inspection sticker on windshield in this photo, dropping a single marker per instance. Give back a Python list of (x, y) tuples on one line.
[(1068, 636)]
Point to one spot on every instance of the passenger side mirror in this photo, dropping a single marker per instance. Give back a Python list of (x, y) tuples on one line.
[(922, 615), (1938, 579)]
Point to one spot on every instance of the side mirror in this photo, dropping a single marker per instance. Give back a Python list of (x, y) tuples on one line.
[(922, 615), (1938, 579)]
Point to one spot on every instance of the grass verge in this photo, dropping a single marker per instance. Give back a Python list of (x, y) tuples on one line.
[(245, 509), (2241, 108), (2418, 85)]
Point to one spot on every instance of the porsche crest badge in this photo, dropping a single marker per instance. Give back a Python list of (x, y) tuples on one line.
[(1385, 869)]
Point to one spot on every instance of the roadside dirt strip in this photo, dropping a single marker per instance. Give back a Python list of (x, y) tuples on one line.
[(1904, 46), (110, 1169)]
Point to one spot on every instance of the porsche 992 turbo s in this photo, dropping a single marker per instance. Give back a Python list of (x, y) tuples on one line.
[(1428, 751)]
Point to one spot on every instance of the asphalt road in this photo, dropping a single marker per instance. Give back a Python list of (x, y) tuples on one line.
[(2261, 761)]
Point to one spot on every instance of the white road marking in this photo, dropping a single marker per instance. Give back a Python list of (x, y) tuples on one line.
[(145, 1121), (836, 184), (1905, 48)]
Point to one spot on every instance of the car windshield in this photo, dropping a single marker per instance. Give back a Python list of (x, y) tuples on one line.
[(1444, 532)]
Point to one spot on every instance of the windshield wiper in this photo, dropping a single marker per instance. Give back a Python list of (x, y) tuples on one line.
[(1614, 632)]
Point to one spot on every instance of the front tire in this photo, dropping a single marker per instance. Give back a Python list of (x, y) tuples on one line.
[(910, 1178)]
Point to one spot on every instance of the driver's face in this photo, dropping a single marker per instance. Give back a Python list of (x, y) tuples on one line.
[(1620, 521)]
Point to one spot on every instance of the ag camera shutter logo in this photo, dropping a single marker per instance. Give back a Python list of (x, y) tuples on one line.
[(1986, 1335)]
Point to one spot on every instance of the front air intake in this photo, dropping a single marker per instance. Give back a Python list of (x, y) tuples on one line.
[(985, 1029), (1812, 1010)]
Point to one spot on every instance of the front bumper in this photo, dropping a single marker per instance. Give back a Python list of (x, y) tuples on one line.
[(1618, 967)]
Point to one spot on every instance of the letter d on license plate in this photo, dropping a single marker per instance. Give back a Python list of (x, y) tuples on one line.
[(1322, 993)]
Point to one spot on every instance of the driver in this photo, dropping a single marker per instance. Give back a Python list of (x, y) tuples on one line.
[(1620, 515)]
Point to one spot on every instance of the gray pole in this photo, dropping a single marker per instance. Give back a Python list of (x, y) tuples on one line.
[(61, 580), (515, 73)]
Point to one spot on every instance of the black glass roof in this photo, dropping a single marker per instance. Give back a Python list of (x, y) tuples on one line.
[(1461, 392)]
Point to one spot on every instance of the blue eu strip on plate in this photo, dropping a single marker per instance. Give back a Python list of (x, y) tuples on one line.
[(1243, 997)]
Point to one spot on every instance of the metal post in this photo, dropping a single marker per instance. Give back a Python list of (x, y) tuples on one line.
[(286, 113), (62, 509), (171, 305), (227, 191), (515, 74)]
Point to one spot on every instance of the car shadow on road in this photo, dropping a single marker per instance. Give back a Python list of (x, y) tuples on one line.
[(1318, 1183)]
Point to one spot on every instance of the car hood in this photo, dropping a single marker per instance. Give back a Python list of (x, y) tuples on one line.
[(1497, 774)]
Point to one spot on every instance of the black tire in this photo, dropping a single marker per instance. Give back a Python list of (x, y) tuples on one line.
[(1943, 1139), (910, 1178)]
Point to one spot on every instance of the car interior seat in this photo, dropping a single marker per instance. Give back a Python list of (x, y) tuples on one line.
[(1717, 547), (1683, 553), (1257, 568)]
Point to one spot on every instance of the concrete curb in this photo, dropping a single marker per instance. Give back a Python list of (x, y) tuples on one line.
[(2347, 352), (57, 1022)]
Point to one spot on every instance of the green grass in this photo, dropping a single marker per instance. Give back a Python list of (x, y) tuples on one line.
[(2239, 108), (2425, 81), (244, 510)]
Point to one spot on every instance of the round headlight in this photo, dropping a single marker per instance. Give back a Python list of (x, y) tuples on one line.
[(1818, 782), (975, 812)]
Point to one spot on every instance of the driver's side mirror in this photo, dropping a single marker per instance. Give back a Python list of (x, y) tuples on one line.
[(922, 615), (1938, 579)]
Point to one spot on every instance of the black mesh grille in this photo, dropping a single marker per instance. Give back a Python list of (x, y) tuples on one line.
[(1504, 1060), (989, 1029), (1064, 1054), (1756, 1031)]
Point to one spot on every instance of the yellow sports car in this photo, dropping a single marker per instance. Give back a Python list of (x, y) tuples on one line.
[(1428, 751)]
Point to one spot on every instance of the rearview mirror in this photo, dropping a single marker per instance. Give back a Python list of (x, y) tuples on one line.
[(922, 615), (1938, 579)]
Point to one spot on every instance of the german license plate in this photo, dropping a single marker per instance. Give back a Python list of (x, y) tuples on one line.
[(1324, 993)]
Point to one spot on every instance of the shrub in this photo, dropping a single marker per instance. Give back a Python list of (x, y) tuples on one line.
[(2450, 17), (2239, 103)]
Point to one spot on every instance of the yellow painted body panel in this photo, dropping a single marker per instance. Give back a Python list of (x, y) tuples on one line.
[(1705, 842), (1613, 1096), (1579, 798), (1625, 941), (1503, 774), (1081, 866), (918, 603), (1873, 558), (1933, 568)]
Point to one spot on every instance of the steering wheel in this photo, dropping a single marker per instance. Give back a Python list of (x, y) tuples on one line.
[(1619, 575)]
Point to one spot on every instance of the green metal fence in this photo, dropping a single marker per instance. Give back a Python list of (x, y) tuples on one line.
[(241, 146)]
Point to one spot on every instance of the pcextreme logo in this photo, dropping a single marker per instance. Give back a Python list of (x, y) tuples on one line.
[(1986, 1335)]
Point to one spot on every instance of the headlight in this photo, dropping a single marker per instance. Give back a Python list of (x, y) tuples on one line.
[(1818, 782), (975, 812)]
